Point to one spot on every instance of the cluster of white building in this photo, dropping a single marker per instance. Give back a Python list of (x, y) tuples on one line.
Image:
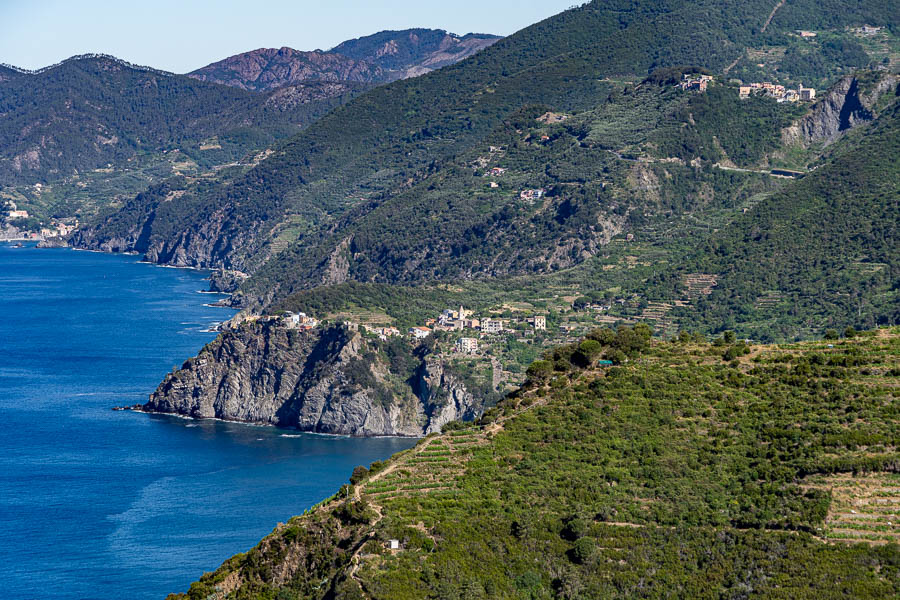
[(867, 30), (300, 321), (467, 345), (12, 211), (384, 332), (449, 320), (779, 92), (695, 82), (532, 194), (58, 229)]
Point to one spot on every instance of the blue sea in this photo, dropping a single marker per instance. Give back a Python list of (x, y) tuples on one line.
[(101, 504)]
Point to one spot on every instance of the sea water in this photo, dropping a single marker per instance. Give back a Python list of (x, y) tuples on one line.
[(96, 504)]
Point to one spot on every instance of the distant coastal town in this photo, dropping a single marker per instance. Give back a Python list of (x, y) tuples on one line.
[(18, 225)]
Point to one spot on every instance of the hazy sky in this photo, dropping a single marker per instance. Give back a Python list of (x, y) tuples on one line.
[(182, 35)]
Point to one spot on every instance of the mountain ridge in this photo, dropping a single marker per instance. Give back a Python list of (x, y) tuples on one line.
[(377, 58), (562, 62)]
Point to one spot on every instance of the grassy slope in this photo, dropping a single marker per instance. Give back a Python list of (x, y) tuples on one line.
[(675, 475)]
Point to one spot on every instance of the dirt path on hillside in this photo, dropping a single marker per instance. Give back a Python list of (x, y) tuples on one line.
[(771, 16)]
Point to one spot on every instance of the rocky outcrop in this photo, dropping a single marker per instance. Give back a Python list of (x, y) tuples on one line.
[(851, 102), (327, 380), (270, 68), (222, 280), (444, 397), (53, 242)]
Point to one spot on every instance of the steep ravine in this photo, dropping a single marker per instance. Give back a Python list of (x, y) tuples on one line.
[(326, 380)]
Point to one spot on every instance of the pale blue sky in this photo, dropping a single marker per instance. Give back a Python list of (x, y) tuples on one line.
[(183, 35)]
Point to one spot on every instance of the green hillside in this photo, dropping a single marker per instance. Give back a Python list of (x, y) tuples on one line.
[(679, 474), (781, 258), (95, 126), (824, 250), (455, 225), (371, 151)]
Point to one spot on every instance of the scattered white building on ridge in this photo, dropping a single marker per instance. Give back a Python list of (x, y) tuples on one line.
[(419, 333)]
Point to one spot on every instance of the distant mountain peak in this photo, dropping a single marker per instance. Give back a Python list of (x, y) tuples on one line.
[(378, 58), (89, 57), (270, 68)]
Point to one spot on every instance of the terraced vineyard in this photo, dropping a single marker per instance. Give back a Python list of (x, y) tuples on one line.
[(864, 508), (432, 467), (699, 284)]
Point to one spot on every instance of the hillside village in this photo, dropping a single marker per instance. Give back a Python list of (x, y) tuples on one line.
[(779, 93), (500, 342), (17, 224)]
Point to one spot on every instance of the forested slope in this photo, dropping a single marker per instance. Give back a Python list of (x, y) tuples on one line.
[(784, 258), (826, 247), (90, 111), (391, 138)]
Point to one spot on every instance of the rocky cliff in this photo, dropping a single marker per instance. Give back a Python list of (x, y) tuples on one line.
[(327, 380), (271, 68), (152, 225), (851, 102)]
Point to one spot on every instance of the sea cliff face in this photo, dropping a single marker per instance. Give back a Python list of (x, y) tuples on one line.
[(214, 241), (326, 380)]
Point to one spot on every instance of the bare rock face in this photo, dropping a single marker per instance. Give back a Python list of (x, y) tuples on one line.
[(210, 244), (383, 57), (327, 380), (444, 398), (846, 105), (269, 68), (53, 242)]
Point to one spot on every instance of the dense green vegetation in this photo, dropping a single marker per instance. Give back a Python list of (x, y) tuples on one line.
[(827, 247), (368, 154), (791, 258), (675, 474), (453, 225), (63, 123)]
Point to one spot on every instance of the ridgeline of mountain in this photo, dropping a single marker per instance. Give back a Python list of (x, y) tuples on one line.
[(379, 58), (326, 380), (691, 470), (271, 68), (96, 111), (7, 73), (413, 52)]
